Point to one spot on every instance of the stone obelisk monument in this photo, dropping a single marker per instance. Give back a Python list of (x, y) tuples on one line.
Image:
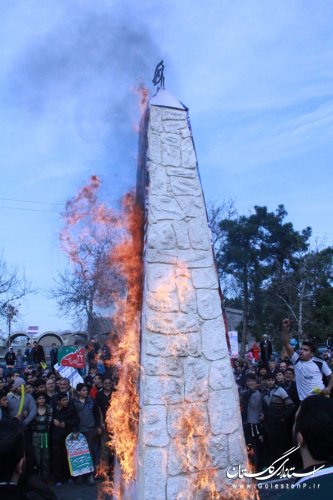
[(190, 420)]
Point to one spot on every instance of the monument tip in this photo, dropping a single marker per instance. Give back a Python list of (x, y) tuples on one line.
[(159, 75)]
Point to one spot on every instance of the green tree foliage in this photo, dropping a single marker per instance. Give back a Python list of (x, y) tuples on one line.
[(276, 273)]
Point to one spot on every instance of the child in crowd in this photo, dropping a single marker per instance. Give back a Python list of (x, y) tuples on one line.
[(89, 420), (65, 421), (277, 407), (40, 427)]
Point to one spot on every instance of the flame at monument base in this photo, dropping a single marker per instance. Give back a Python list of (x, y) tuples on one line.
[(123, 413)]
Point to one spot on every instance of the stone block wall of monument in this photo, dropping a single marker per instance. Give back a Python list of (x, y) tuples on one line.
[(186, 372)]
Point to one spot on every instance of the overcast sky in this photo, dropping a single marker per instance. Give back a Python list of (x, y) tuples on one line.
[(257, 77)]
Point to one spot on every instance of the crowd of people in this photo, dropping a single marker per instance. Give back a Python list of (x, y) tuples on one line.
[(46, 409), (271, 391), (49, 409)]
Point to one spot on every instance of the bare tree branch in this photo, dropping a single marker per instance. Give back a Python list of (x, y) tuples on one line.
[(13, 287)]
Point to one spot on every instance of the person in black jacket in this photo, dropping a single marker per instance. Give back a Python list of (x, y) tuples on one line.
[(10, 359), (290, 386), (313, 433), (11, 459), (28, 354), (65, 421), (53, 355), (265, 350), (38, 354), (103, 399), (4, 415), (277, 409)]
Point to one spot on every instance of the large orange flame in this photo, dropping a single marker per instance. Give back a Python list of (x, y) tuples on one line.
[(94, 231), (123, 413), (191, 447), (87, 220), (89, 225)]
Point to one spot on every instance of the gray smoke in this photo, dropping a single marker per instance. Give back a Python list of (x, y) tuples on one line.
[(82, 70)]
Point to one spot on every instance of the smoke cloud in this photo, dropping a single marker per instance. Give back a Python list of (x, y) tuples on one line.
[(77, 73)]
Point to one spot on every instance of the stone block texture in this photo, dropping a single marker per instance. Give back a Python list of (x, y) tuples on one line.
[(190, 422)]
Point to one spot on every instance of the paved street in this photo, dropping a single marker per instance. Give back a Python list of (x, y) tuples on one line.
[(74, 492)]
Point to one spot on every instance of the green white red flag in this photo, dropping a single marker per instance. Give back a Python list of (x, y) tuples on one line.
[(72, 356)]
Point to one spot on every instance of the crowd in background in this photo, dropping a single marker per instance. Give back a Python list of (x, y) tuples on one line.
[(270, 396), (269, 389), (52, 409)]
